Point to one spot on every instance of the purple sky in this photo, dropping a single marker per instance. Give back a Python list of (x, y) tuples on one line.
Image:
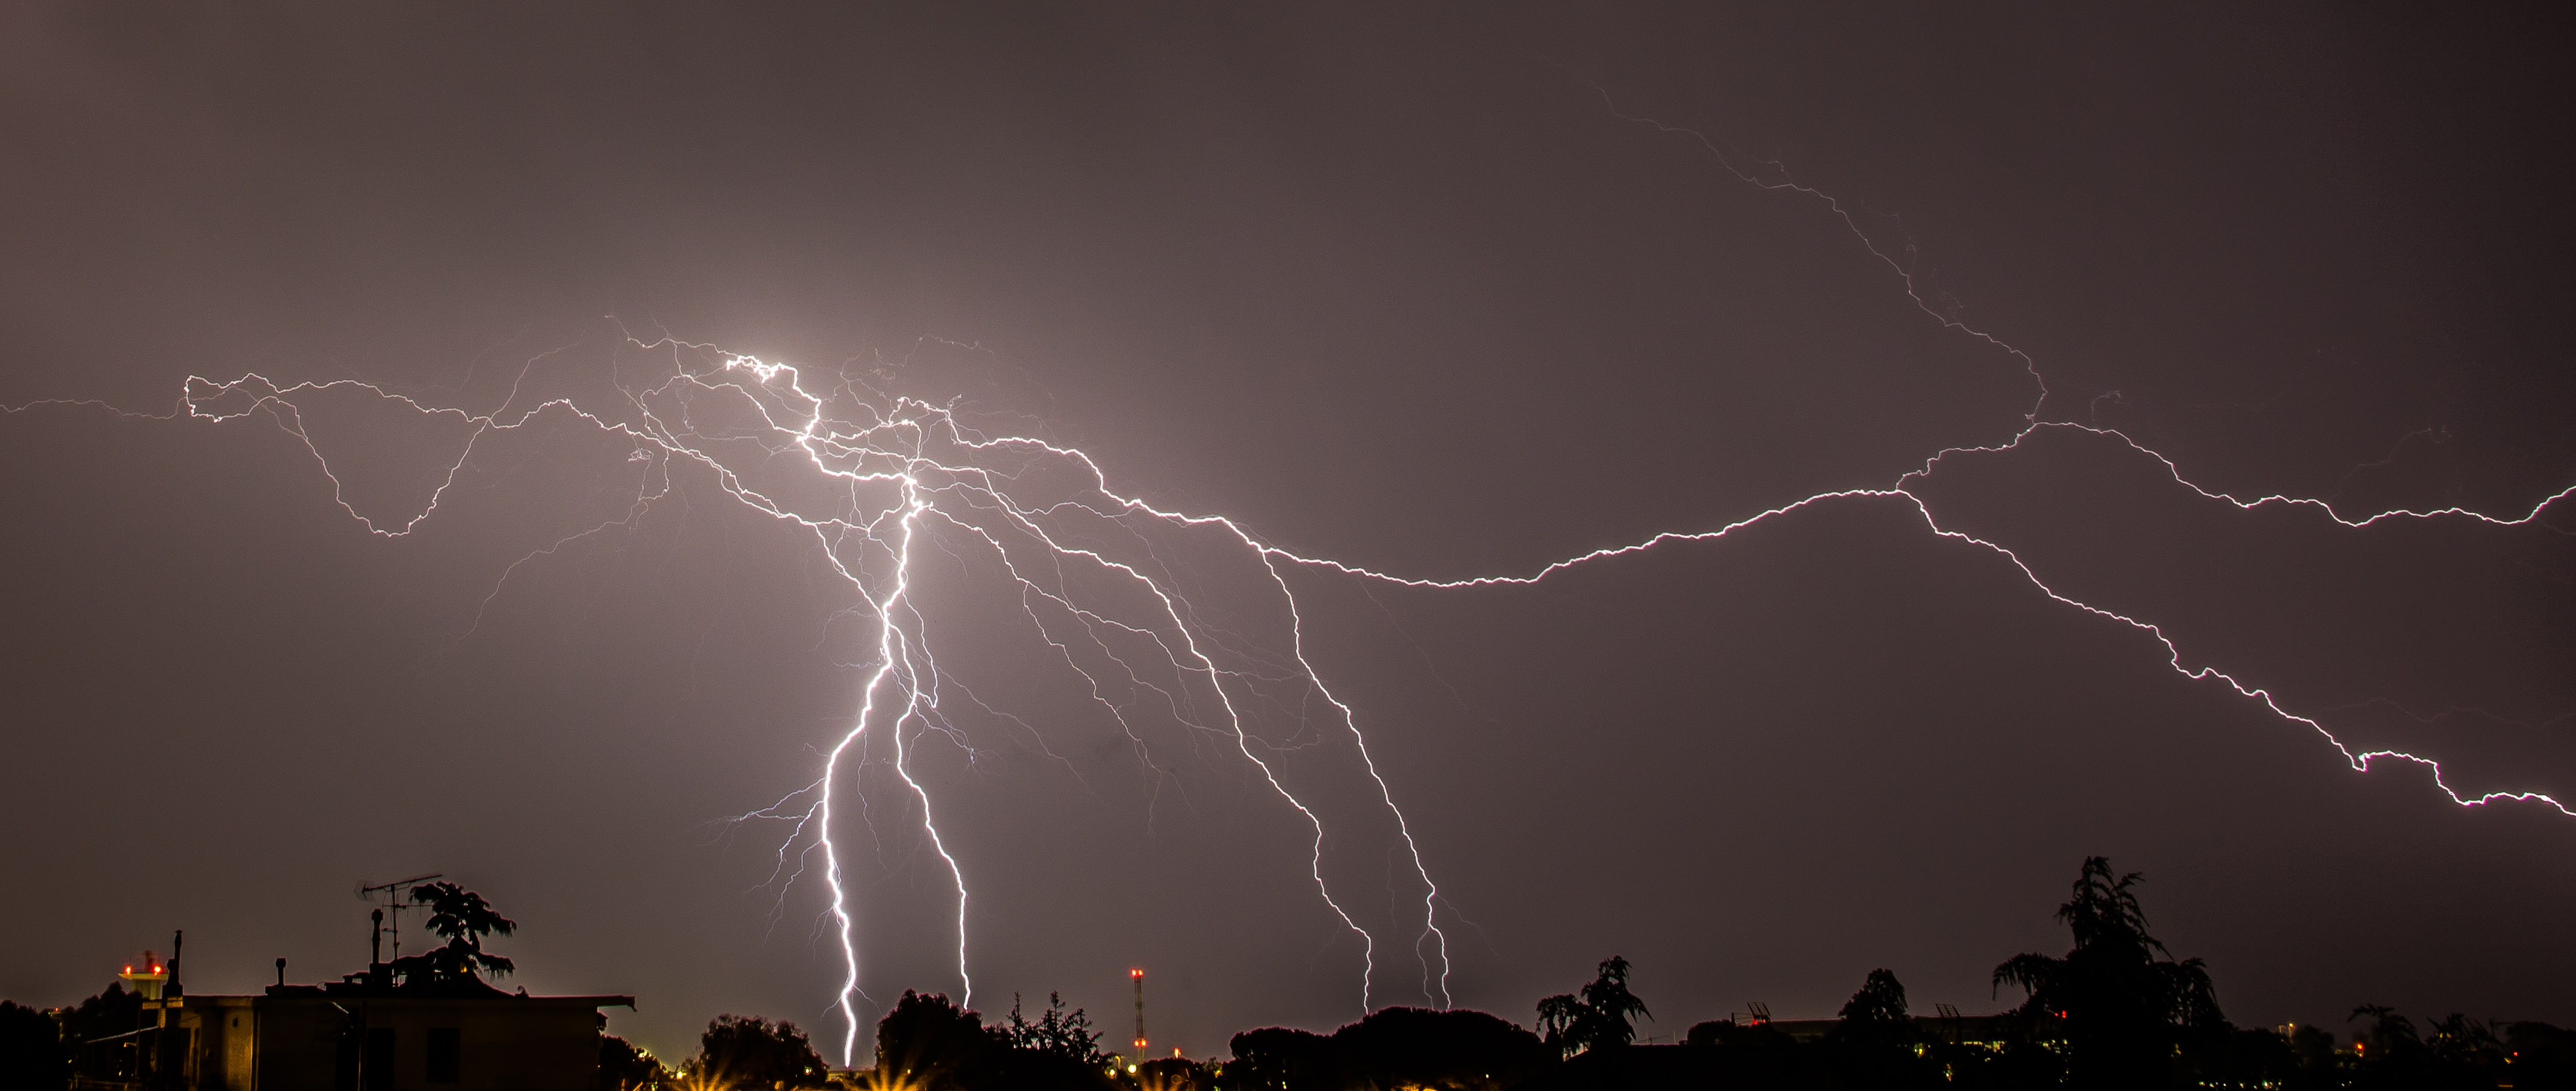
[(1450, 292)]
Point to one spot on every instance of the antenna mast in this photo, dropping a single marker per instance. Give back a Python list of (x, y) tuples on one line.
[(393, 893), (1139, 977)]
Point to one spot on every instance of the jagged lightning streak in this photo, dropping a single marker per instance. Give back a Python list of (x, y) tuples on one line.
[(926, 463), (1779, 180), (935, 472)]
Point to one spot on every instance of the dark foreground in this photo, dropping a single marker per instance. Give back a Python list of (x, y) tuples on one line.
[(2116, 1012)]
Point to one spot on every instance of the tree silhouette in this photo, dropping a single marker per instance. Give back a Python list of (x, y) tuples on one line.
[(1280, 1059), (1454, 1050), (1598, 1018), (1880, 1002), (112, 1011), (623, 1067), (2392, 1054), (2119, 1000), (2388, 1031), (1064, 1035), (462, 918), (32, 1057), (1174, 1074), (1874, 1044), (2543, 1055), (930, 1042), (756, 1055), (2467, 1050)]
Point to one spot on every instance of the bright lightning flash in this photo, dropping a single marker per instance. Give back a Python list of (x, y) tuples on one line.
[(875, 478), (872, 479)]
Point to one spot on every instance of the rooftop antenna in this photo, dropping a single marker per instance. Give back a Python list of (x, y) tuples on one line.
[(393, 893)]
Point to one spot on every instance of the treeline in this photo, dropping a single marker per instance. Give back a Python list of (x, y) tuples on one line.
[(925, 1042), (2116, 1011)]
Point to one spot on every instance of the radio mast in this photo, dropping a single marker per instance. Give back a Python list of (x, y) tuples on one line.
[(1138, 976)]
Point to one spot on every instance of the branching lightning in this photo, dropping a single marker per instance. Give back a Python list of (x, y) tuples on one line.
[(902, 470), (872, 478)]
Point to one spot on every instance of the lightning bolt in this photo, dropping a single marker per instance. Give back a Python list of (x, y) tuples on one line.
[(905, 469), (872, 478)]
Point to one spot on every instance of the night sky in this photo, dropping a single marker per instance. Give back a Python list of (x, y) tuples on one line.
[(1439, 292)]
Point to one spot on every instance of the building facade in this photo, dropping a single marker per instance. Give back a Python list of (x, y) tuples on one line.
[(364, 1035)]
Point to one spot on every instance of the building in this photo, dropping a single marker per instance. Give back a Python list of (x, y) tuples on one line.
[(1950, 1027), (367, 1032)]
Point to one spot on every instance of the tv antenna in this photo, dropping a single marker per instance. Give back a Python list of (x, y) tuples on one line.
[(393, 893)]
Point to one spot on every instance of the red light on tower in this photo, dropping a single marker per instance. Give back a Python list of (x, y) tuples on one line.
[(150, 979), (1138, 976)]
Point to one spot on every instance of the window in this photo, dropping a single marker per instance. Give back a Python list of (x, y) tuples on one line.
[(444, 1049), (376, 1072), (344, 1068)]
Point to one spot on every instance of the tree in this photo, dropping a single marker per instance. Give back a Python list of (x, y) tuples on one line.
[(2389, 1039), (623, 1067), (2390, 1052), (1874, 1043), (2543, 1055), (755, 1054), (2460, 1053), (2467, 1048), (934, 1044), (1060, 1050), (1174, 1074), (1598, 1018), (1878, 1007), (1453, 1050), (2118, 1000), (1279, 1059), (114, 1011), (2314, 1047), (1065, 1035), (32, 1057), (930, 1043), (462, 918)]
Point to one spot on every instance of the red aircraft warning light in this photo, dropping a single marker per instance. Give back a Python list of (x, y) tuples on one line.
[(149, 980), (1138, 976)]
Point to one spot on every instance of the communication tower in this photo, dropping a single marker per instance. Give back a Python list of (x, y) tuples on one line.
[(1138, 976)]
